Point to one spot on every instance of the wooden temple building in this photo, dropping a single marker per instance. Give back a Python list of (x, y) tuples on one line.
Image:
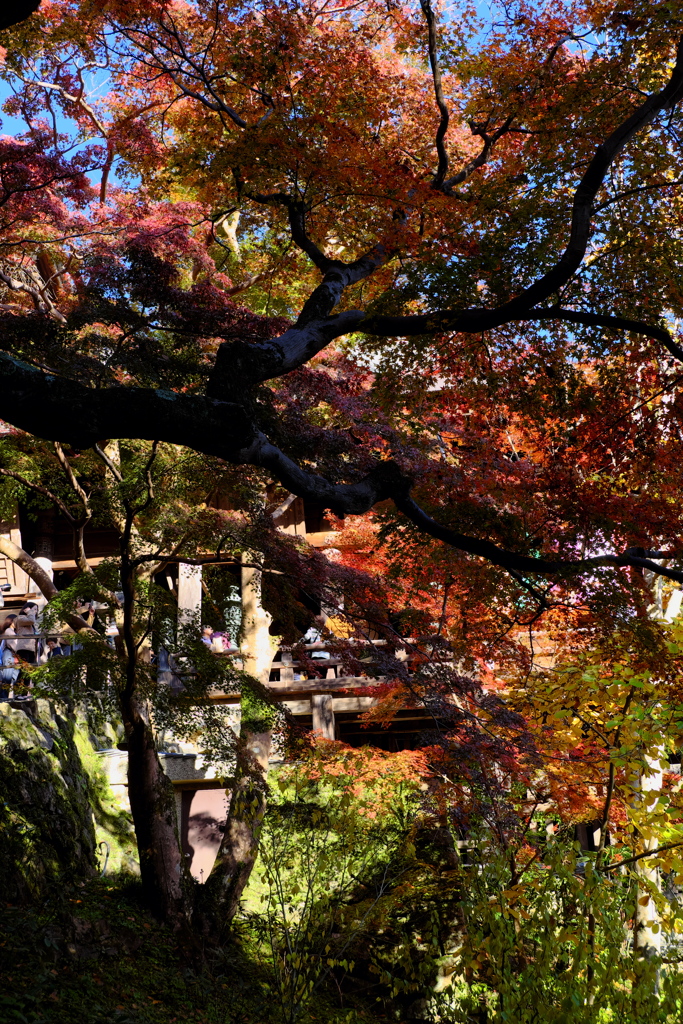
[(330, 703), (323, 701)]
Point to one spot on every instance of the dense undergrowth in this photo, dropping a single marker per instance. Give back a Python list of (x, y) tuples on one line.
[(363, 908), (93, 953)]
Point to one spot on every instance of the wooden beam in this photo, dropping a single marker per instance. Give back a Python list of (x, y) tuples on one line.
[(185, 784), (301, 689), (398, 718), (388, 731), (323, 715)]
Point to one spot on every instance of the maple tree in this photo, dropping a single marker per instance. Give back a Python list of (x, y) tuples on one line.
[(412, 270), (309, 172)]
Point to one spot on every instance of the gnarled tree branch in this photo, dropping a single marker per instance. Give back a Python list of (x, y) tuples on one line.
[(42, 580), (442, 168)]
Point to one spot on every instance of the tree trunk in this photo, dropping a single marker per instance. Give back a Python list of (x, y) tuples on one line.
[(239, 848), (647, 933), (150, 791), (152, 804), (164, 876)]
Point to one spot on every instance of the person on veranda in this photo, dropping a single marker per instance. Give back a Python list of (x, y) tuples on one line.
[(54, 648), (25, 626), (9, 671)]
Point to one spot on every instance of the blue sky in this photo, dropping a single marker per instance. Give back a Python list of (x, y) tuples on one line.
[(12, 125)]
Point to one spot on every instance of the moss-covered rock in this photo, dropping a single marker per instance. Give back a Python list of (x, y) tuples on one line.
[(114, 832), (55, 804)]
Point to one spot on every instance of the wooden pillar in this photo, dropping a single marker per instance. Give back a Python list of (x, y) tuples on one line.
[(257, 645), (44, 550), (189, 595), (323, 715)]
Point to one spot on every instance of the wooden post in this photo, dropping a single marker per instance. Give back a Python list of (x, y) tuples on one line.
[(323, 715), (44, 550), (286, 669), (257, 645), (647, 932), (189, 595)]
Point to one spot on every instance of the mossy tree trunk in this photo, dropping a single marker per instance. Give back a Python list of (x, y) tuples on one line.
[(152, 804), (163, 873)]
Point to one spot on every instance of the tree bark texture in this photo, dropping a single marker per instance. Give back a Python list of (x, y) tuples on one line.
[(152, 804)]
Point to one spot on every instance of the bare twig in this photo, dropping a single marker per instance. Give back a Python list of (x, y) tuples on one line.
[(640, 856)]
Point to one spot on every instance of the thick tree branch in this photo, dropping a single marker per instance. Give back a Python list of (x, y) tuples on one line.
[(340, 274), (239, 365), (612, 323), (442, 168), (83, 416), (385, 480), (18, 11), (296, 212), (589, 186), (512, 561), (472, 321), (47, 588), (242, 365), (58, 409)]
